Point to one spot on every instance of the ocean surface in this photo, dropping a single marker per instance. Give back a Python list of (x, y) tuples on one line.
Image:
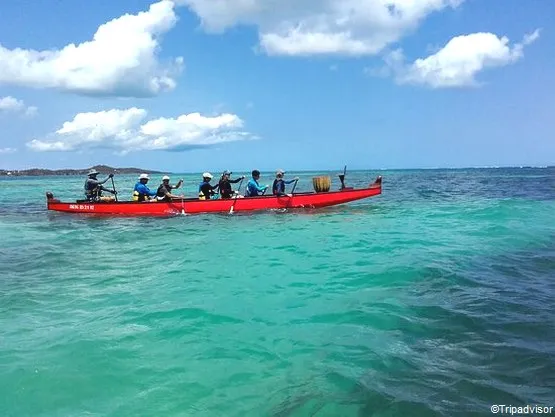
[(436, 298)]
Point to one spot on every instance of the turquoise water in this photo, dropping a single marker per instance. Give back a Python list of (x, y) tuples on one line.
[(434, 299)]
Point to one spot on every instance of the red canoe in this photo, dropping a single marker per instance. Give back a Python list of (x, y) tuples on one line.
[(194, 205)]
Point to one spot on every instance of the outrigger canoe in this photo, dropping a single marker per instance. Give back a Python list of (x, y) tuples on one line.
[(195, 206)]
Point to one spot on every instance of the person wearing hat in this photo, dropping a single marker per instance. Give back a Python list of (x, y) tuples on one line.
[(94, 188), (205, 189), (164, 190), (278, 188), (226, 191), (141, 192), (253, 187)]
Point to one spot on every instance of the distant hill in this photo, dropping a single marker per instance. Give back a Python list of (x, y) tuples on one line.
[(102, 169)]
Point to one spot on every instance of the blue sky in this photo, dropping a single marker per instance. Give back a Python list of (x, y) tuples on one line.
[(194, 85)]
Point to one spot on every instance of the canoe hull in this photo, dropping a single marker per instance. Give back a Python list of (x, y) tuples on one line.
[(195, 206)]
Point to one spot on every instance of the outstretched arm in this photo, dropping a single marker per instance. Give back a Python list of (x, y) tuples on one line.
[(260, 187), (178, 184), (143, 189), (107, 178), (107, 189), (170, 195)]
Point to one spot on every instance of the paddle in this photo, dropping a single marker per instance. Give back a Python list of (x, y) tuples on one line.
[(114, 187), (236, 197), (266, 189), (342, 177), (293, 190)]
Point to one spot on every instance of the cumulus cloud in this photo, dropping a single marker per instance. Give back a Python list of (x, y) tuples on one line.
[(7, 150), (125, 130), (120, 60), (458, 62), (12, 104), (319, 27)]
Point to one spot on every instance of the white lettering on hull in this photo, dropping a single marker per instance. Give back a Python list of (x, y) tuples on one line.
[(81, 207)]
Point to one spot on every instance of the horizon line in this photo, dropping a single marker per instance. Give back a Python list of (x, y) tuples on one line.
[(139, 170)]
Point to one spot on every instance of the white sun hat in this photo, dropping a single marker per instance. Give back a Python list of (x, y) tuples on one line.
[(144, 177), (207, 175), (165, 177)]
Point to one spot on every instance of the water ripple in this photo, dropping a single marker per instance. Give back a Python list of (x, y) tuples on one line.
[(434, 299)]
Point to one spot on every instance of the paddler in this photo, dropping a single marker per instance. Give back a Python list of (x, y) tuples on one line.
[(141, 192), (94, 188), (278, 188), (253, 188), (205, 189), (164, 190), (226, 191)]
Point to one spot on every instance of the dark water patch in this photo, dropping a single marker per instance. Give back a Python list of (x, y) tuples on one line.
[(474, 350)]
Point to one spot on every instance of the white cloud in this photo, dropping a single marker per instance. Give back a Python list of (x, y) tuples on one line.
[(125, 131), (319, 27), (31, 111), (459, 61), (120, 60), (7, 150), (12, 104)]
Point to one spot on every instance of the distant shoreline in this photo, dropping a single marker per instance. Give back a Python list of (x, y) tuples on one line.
[(105, 170), (102, 169)]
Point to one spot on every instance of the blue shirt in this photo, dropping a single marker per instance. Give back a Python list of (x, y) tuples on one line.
[(253, 188), (143, 189)]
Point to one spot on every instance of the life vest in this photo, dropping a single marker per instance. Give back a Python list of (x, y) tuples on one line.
[(91, 194), (201, 194), (140, 197), (161, 192), (91, 190)]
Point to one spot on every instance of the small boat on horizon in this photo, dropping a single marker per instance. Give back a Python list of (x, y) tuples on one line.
[(321, 197)]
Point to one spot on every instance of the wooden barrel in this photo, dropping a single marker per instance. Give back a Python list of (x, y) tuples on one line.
[(321, 184)]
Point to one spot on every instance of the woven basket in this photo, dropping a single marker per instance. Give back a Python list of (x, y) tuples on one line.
[(321, 184)]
